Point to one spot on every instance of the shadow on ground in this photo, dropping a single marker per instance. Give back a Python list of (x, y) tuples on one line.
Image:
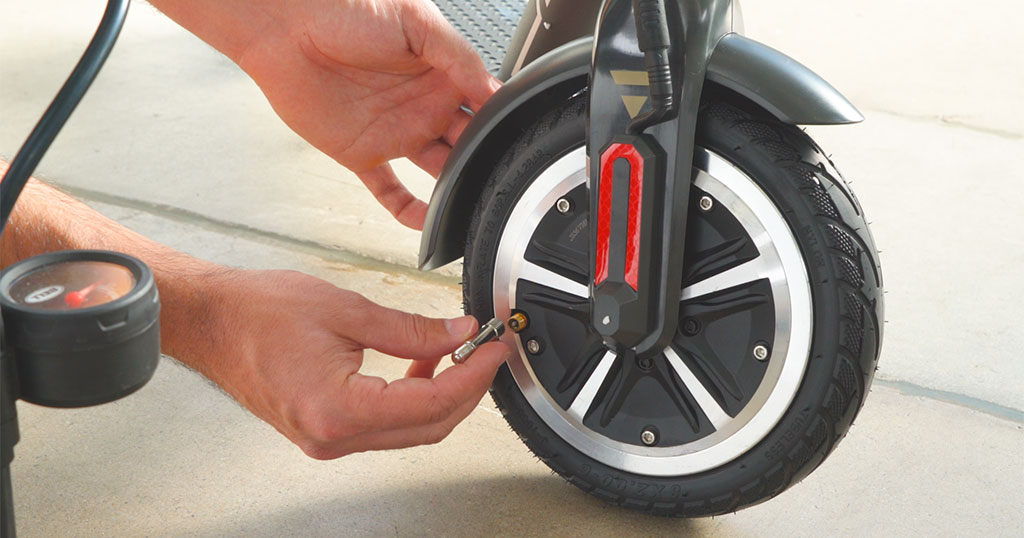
[(542, 506)]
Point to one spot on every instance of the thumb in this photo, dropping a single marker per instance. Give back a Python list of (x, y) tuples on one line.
[(440, 45), (410, 336)]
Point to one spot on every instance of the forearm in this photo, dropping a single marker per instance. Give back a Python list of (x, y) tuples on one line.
[(46, 219), (227, 25)]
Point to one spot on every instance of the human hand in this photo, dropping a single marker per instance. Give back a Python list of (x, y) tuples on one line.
[(290, 347), (286, 345), (368, 81)]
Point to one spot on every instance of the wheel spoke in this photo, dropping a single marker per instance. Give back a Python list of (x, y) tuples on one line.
[(675, 389), (707, 403), (565, 257), (625, 379), (713, 309), (744, 273), (710, 261), (545, 277), (561, 302), (591, 347), (585, 399), (704, 356)]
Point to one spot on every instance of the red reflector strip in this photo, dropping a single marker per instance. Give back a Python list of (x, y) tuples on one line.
[(636, 192), (604, 212)]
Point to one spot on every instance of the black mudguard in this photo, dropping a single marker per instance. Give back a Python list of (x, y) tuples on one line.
[(552, 78), (765, 76)]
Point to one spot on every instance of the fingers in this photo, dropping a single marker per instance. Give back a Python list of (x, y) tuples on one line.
[(389, 191), (408, 437), (416, 402), (472, 105), (405, 335), (392, 194), (431, 37), (458, 124), (432, 158), (423, 368), (415, 411)]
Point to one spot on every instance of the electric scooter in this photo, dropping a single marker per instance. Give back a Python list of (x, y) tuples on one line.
[(697, 294)]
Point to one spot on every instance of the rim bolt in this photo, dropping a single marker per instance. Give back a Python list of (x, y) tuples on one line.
[(761, 352), (645, 363), (533, 346), (691, 327), (649, 437), (706, 203), (563, 205)]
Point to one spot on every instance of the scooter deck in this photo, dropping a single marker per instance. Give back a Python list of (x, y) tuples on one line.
[(489, 26)]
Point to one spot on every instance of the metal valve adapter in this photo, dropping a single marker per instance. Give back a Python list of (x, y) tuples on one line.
[(488, 331)]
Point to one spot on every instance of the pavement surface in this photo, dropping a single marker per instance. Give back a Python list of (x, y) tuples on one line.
[(176, 142)]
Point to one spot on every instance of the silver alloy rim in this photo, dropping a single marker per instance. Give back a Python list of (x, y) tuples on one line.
[(779, 261)]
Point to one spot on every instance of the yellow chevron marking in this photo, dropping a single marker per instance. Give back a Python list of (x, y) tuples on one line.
[(630, 78), (634, 103)]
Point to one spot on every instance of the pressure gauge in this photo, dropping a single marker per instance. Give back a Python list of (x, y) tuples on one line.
[(83, 326)]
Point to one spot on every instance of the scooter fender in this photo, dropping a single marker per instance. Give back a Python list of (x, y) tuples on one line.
[(551, 78), (768, 78), (777, 83)]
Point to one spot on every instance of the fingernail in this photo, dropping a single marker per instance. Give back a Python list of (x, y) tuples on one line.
[(462, 327), (495, 84)]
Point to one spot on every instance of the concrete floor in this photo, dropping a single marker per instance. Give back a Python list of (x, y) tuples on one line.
[(176, 142)]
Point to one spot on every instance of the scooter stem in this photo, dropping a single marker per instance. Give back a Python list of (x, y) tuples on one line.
[(655, 42), (641, 162)]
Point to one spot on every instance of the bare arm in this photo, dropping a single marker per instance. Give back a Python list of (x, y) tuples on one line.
[(364, 81), (46, 219), (286, 345)]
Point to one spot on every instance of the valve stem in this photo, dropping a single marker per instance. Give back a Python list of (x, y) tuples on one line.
[(518, 322)]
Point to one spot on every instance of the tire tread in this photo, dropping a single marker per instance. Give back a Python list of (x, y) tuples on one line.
[(838, 224)]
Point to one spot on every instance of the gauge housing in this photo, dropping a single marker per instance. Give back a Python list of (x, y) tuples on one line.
[(82, 356)]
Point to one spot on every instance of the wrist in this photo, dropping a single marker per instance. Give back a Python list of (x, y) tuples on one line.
[(229, 26), (194, 319)]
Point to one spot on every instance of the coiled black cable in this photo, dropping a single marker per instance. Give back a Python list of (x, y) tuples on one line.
[(655, 41), (60, 108)]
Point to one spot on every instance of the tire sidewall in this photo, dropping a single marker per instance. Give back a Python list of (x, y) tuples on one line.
[(750, 476)]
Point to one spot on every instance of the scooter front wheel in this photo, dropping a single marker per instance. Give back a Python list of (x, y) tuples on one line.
[(779, 317)]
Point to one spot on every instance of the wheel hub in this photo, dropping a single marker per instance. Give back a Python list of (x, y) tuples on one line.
[(706, 399)]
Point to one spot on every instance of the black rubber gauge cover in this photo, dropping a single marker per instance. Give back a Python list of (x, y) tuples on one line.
[(82, 356)]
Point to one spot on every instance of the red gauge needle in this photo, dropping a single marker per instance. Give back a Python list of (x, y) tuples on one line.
[(75, 299)]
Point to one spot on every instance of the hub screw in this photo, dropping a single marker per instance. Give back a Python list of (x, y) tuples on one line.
[(533, 346), (691, 327), (649, 437), (761, 352), (706, 203), (563, 205), (645, 363)]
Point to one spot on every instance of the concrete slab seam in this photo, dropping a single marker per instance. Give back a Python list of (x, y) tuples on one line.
[(948, 121), (306, 246), (970, 402), (338, 254)]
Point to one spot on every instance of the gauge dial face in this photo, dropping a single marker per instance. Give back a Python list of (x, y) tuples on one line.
[(72, 285)]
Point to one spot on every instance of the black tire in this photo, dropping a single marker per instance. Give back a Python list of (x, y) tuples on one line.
[(846, 290)]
